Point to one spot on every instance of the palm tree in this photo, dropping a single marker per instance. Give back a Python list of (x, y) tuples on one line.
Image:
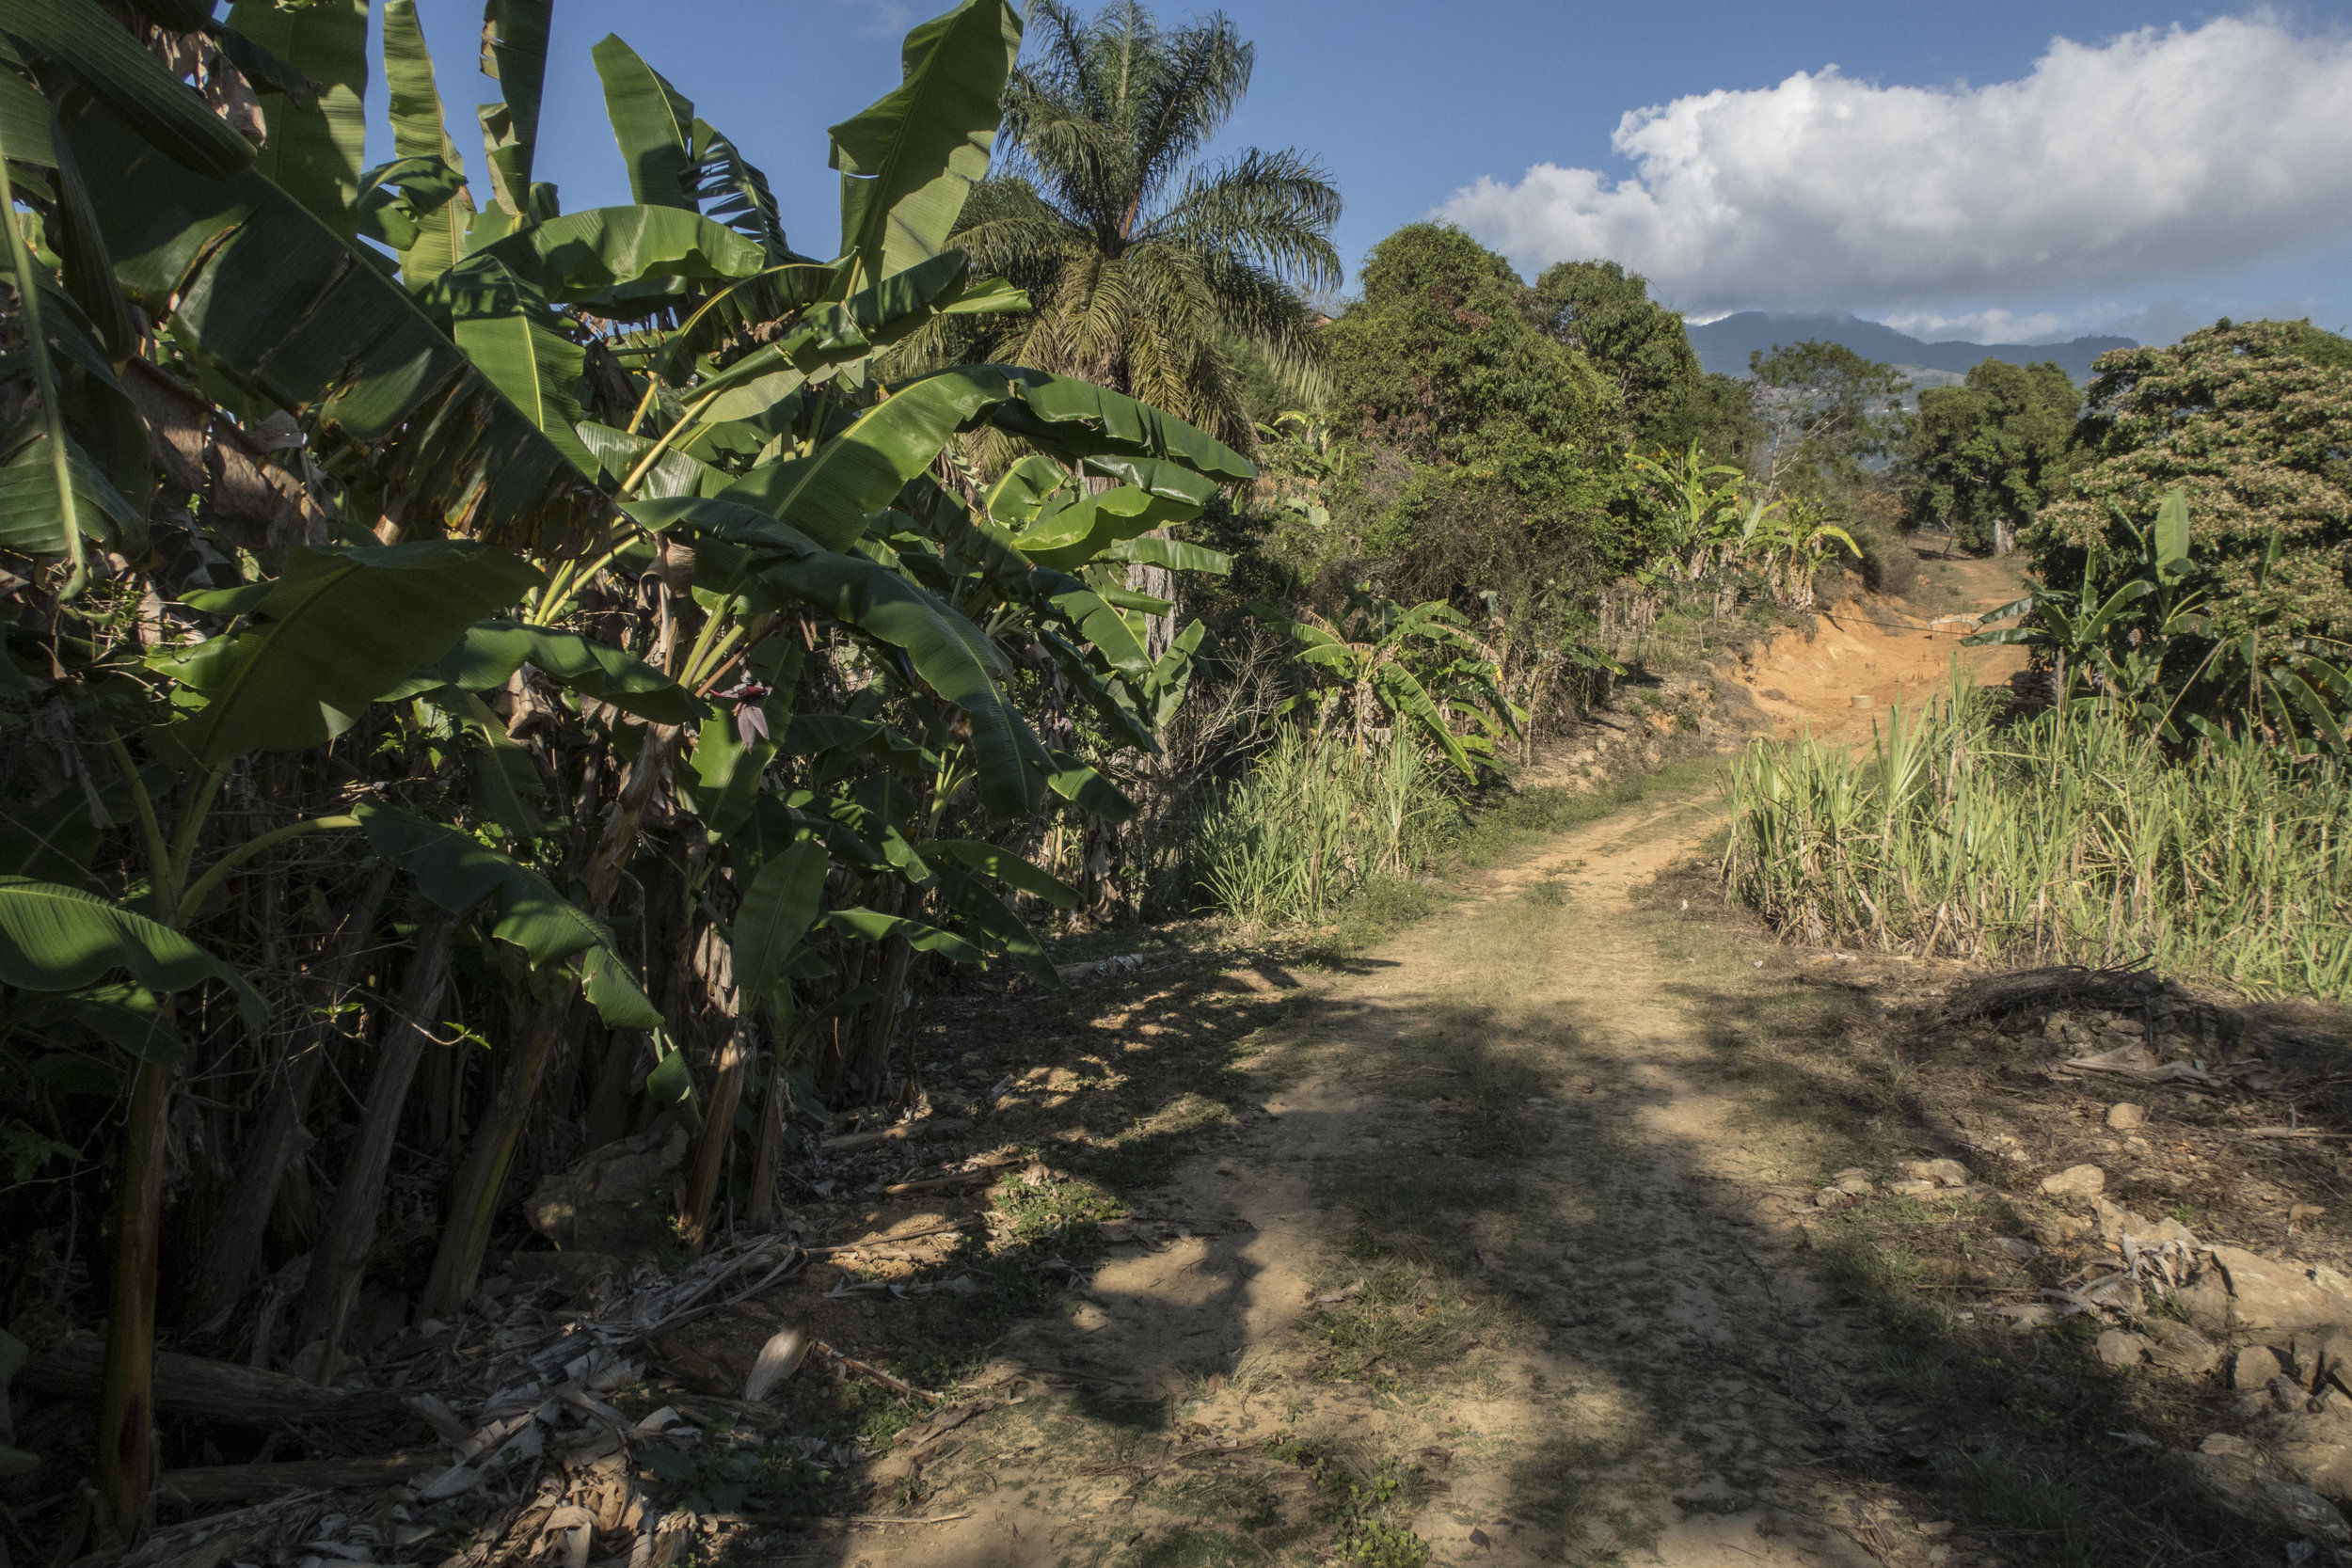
[(1144, 262)]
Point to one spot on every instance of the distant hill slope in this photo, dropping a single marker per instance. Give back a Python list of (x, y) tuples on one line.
[(1725, 345)]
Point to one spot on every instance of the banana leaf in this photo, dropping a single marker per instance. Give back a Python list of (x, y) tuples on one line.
[(514, 55), (506, 329), (457, 871), (1174, 554), (654, 123), (1086, 789), (1082, 530), (985, 913), (491, 651), (282, 307), (23, 116), (947, 651), (339, 629), (907, 161), (583, 255), (32, 513), (873, 926), (778, 908), (1005, 866), (56, 938), (159, 109), (420, 131), (315, 150), (829, 496)]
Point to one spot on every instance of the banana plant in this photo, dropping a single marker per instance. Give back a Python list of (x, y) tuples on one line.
[(605, 577), (1701, 508), (1418, 667)]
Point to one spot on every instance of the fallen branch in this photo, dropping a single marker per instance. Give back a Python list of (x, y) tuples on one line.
[(236, 1483), (218, 1390), (867, 1369)]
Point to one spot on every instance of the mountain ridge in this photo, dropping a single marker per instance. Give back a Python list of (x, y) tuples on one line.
[(1725, 345)]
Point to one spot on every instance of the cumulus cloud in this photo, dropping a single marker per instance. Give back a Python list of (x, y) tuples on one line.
[(2164, 153)]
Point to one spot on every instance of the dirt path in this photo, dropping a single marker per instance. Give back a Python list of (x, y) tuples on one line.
[(1506, 1262)]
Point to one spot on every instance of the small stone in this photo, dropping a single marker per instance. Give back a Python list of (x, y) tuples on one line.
[(1913, 1187), (2181, 1349), (2255, 1366), (2080, 1181), (2126, 1118), (1944, 1172), (2122, 1348), (2017, 1247), (2056, 1230)]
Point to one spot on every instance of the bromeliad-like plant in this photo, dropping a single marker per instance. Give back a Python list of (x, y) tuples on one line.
[(578, 572), (1382, 665)]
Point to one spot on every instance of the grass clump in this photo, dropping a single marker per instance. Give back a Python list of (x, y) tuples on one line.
[(1318, 820), (2069, 837), (1053, 1208)]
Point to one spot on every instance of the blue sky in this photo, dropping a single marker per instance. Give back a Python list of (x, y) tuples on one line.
[(1410, 106)]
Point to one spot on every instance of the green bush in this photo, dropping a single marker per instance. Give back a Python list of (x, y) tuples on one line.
[(1316, 820)]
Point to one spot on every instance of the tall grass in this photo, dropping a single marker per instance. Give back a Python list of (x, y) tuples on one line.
[(2061, 838), (1315, 821)]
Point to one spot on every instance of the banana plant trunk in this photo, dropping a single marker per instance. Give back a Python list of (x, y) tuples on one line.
[(126, 1405), (710, 1152), (234, 1247), (474, 1193), (342, 1253)]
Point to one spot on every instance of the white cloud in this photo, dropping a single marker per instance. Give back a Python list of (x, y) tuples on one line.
[(2161, 155), (1992, 326)]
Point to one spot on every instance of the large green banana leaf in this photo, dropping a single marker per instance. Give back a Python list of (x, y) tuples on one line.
[(987, 914), (420, 131), (830, 496), (732, 189), (1006, 866), (1084, 529), (909, 160), (315, 147), (491, 651), (23, 114), (275, 302), (514, 55), (839, 334), (673, 473), (504, 326), (874, 926), (55, 938), (337, 631), (457, 871), (160, 109), (581, 255), (778, 908), (32, 515), (654, 123), (1174, 554)]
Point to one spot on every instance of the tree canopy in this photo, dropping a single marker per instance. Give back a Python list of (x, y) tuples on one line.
[(1998, 446), (2252, 421), (1822, 410), (1638, 344)]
